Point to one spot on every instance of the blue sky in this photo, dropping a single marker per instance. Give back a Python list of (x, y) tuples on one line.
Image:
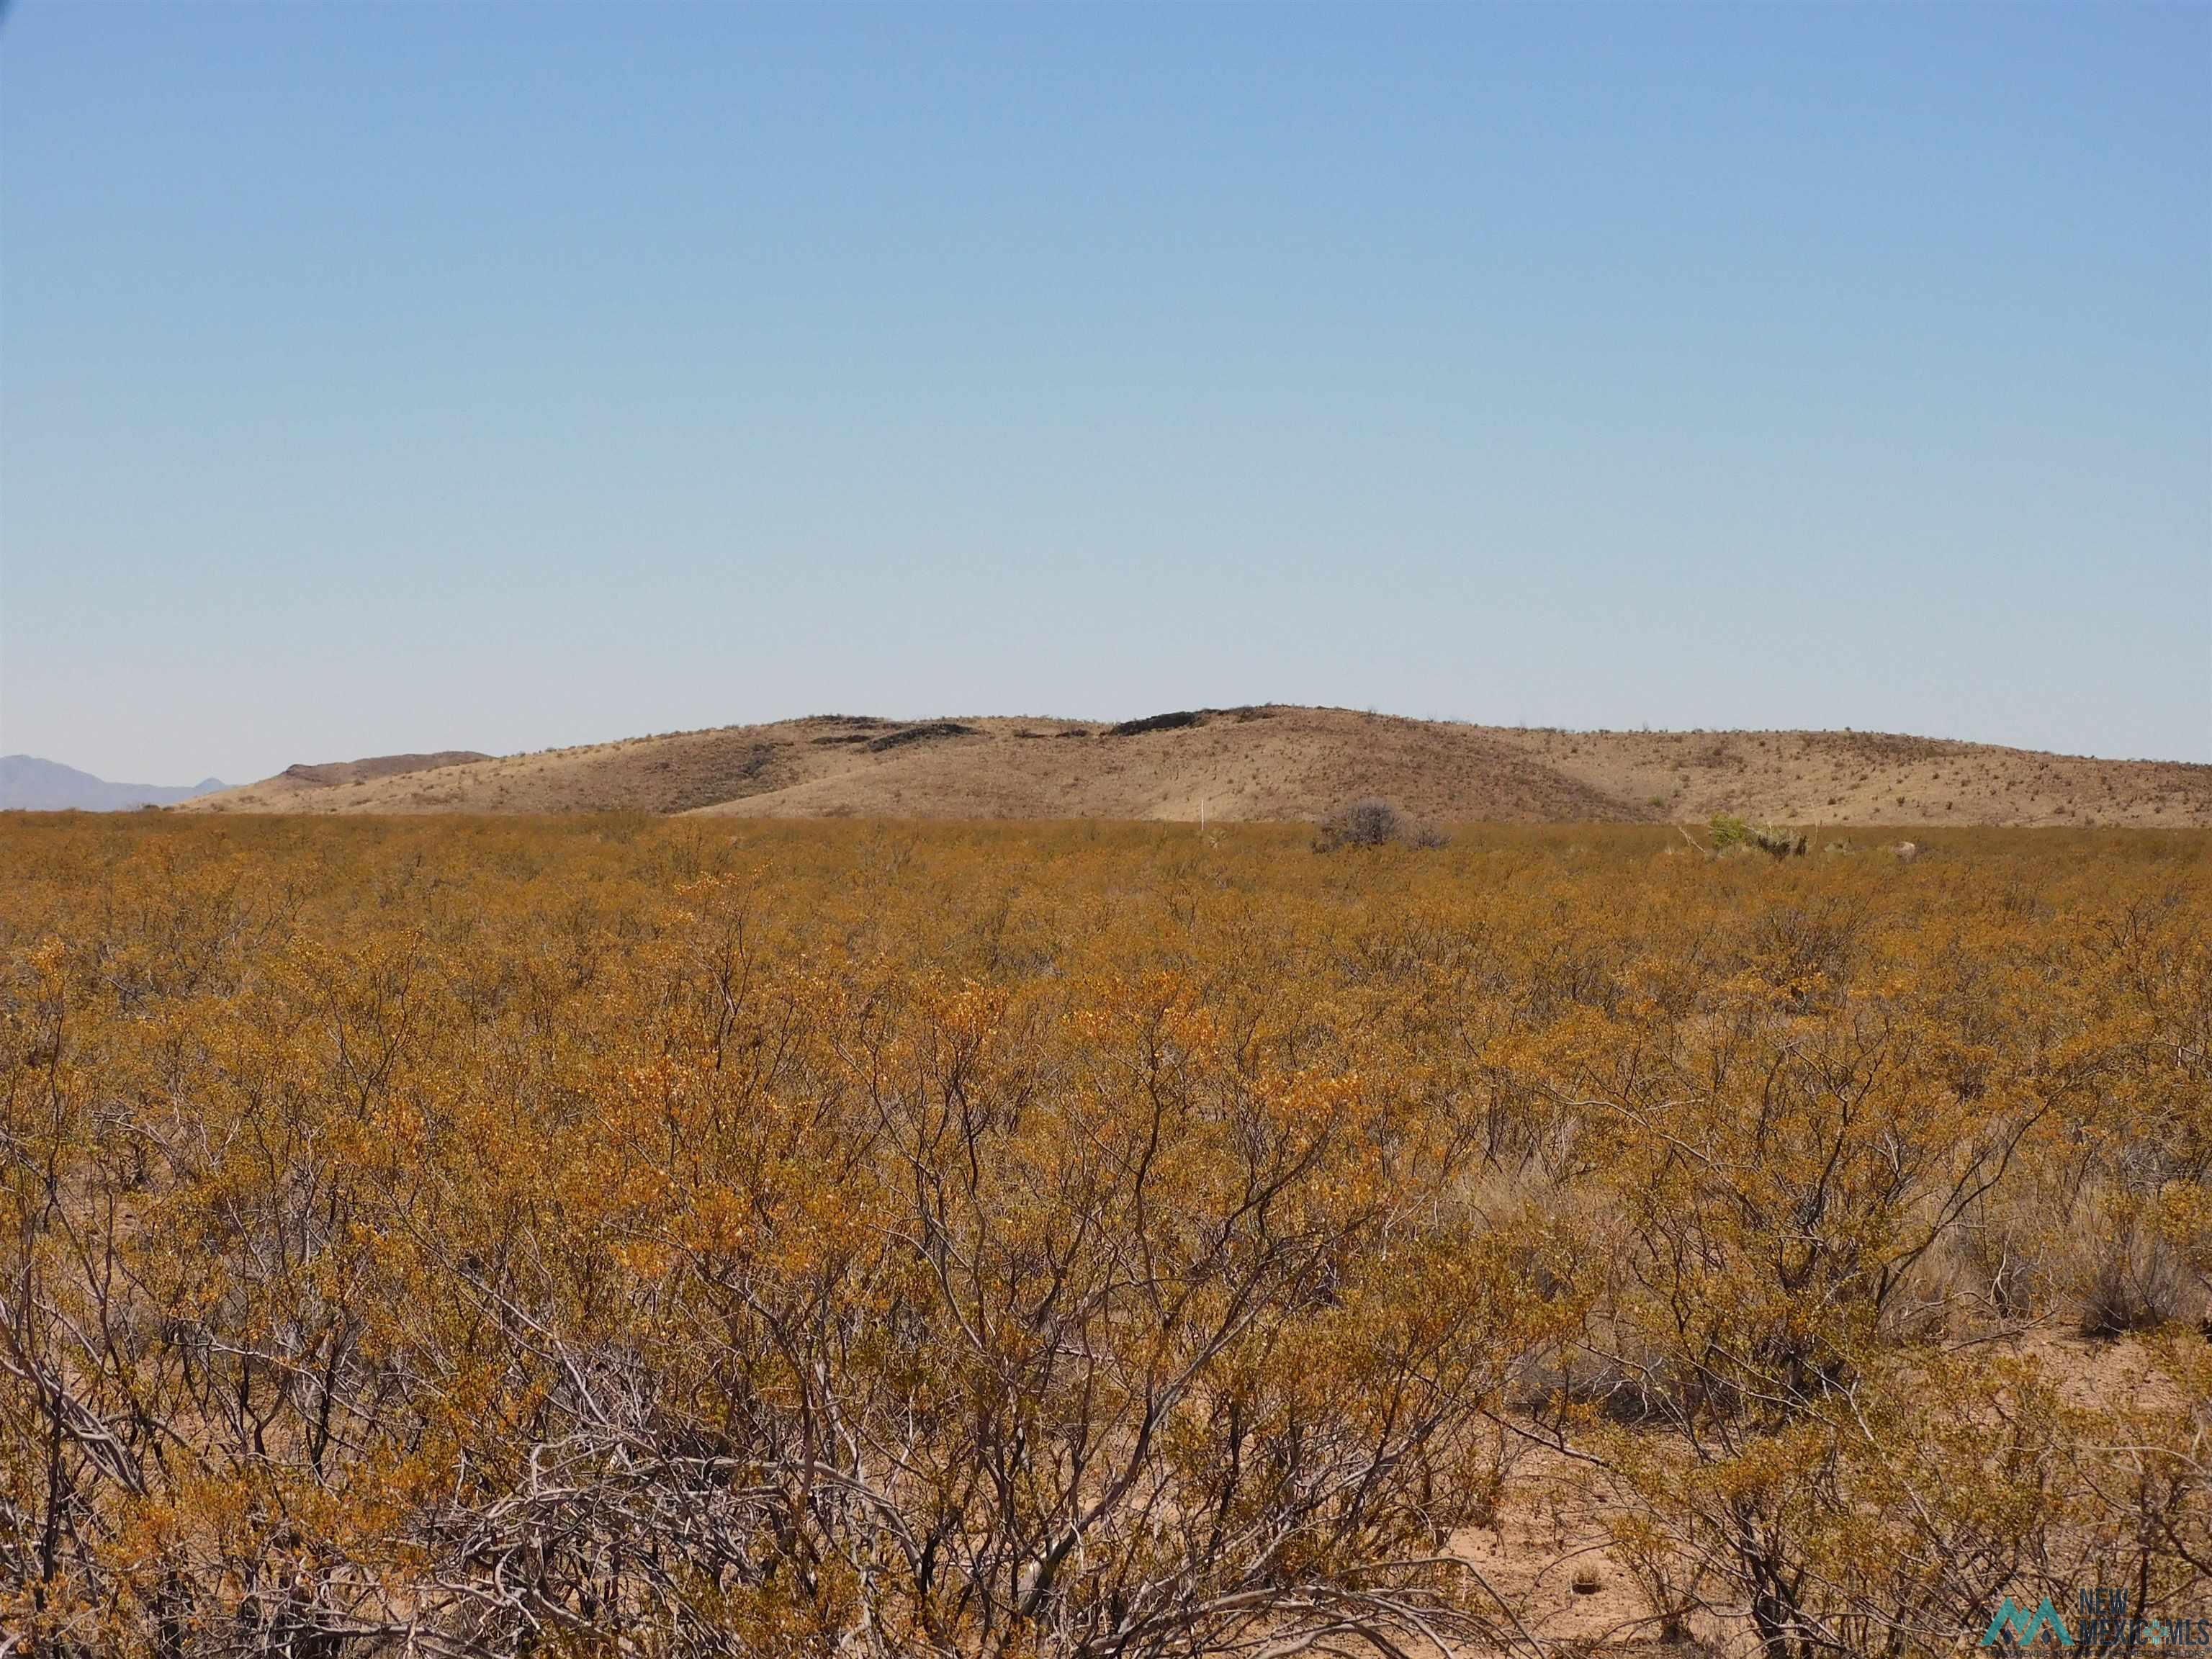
[(383, 377)]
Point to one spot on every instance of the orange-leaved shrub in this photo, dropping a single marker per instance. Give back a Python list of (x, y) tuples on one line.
[(618, 1236)]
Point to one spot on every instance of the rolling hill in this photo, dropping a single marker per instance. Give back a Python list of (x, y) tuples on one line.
[(1274, 762)]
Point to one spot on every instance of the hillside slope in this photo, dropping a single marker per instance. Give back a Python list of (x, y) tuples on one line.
[(349, 786), (1272, 762)]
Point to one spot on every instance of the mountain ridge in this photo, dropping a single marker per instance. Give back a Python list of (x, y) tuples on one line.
[(29, 783), (1269, 762)]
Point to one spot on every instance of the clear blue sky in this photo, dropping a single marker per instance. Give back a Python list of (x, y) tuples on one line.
[(381, 377)]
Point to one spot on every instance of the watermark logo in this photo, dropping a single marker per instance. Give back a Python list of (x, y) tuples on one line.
[(2024, 1627), (2103, 1621)]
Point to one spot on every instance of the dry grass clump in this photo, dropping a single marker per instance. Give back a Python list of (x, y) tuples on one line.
[(2127, 1277)]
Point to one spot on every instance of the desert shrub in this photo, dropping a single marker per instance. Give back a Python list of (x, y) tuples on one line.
[(2128, 1278), (1654, 1564), (1778, 843), (1170, 722), (925, 732), (1727, 833), (2004, 1263), (1373, 822), (591, 1236)]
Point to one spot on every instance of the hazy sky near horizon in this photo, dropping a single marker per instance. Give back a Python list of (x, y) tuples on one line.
[(382, 377)]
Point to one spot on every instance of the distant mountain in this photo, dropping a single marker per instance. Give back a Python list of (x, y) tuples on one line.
[(29, 784)]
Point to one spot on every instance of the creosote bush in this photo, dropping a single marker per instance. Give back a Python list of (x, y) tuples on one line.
[(1373, 822), (619, 1236)]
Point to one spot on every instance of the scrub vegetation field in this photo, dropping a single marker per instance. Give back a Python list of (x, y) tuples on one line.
[(625, 1236)]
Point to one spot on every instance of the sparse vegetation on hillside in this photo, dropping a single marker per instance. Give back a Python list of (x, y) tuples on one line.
[(618, 1236), (1171, 722), (1261, 764)]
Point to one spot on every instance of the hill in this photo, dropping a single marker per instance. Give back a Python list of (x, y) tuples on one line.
[(336, 786), (29, 784), (1272, 762)]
